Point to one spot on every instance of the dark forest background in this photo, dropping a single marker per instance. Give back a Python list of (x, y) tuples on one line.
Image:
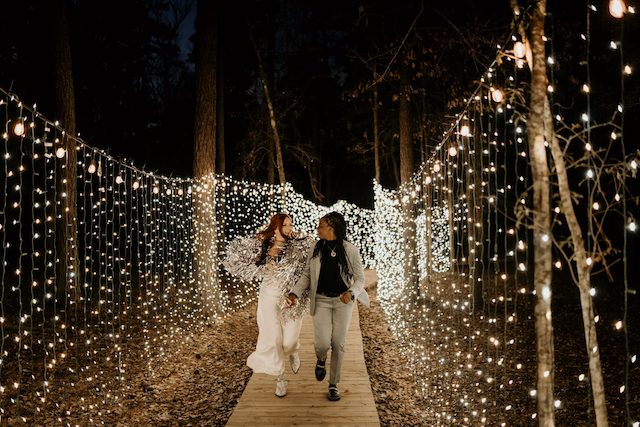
[(134, 78)]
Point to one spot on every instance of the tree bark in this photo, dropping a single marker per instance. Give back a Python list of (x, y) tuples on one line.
[(580, 253), (220, 141), (541, 221), (406, 172), (204, 160), (67, 270), (376, 131), (584, 275)]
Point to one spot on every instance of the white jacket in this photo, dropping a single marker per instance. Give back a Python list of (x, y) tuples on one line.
[(311, 272)]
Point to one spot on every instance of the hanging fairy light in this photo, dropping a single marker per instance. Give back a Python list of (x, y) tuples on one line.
[(18, 128), (453, 151), (497, 95), (519, 50), (92, 167), (617, 8), (464, 130), (60, 152)]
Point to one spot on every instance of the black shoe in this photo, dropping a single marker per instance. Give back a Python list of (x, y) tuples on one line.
[(320, 371), (334, 394)]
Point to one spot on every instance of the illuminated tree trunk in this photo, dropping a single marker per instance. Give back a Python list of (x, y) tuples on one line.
[(67, 270), (204, 160), (406, 171), (272, 119), (541, 221), (580, 255), (584, 276)]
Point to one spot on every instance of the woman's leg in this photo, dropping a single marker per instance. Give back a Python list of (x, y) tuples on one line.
[(268, 358), (291, 336), (341, 317), (322, 326)]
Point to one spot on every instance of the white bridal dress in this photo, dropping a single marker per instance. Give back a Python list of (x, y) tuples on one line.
[(278, 326)]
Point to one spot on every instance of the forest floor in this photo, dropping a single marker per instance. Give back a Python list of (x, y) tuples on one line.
[(202, 379)]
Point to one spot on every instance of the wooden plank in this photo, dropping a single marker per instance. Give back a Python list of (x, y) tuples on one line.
[(306, 401)]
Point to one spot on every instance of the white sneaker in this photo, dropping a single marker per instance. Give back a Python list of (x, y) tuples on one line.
[(294, 360), (281, 387)]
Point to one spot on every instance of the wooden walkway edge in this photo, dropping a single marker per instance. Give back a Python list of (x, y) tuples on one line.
[(306, 402)]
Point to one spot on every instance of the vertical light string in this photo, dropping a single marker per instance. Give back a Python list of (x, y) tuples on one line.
[(3, 316), (625, 265)]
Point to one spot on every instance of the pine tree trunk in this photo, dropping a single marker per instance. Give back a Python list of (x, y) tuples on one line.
[(67, 270), (541, 221), (376, 132), (220, 142), (204, 161), (406, 171)]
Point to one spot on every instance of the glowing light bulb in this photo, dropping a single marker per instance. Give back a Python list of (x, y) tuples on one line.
[(92, 167), (136, 185), (518, 49), (617, 8), (497, 95), (464, 130), (436, 167), (18, 129), (119, 180), (453, 151), (60, 152)]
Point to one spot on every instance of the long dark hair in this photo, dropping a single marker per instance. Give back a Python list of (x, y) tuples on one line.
[(266, 235), (336, 221)]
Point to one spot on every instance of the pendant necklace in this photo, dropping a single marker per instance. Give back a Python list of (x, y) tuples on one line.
[(333, 250)]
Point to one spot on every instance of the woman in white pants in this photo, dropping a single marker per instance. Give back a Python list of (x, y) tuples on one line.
[(334, 278), (276, 259)]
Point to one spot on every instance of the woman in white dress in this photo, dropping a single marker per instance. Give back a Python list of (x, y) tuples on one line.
[(276, 258)]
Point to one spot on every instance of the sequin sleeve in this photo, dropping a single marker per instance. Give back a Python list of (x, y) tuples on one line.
[(295, 260), (242, 254)]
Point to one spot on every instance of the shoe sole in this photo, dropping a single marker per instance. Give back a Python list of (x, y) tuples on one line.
[(321, 376)]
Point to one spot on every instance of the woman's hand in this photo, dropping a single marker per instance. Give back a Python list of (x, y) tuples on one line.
[(345, 297), (291, 300)]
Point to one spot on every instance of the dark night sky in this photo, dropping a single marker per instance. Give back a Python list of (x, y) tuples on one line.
[(135, 83)]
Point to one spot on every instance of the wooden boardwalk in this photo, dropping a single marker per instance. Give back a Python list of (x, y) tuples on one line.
[(306, 401)]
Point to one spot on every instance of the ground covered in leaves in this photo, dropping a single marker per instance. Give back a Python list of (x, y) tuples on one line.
[(202, 379), (208, 377)]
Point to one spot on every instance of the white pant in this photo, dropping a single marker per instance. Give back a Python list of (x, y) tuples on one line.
[(330, 326), (276, 339)]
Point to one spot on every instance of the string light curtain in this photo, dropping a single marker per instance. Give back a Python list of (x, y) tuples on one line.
[(469, 330), (137, 299)]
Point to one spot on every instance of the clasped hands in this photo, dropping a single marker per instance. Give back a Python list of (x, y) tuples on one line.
[(292, 298)]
